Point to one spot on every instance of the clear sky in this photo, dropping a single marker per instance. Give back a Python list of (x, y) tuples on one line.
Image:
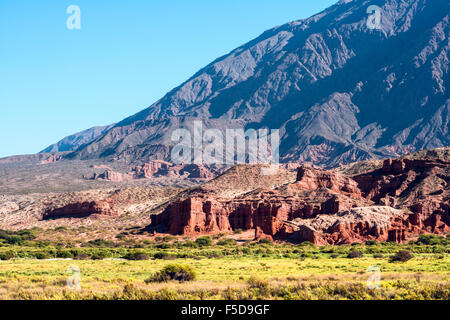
[(128, 54)]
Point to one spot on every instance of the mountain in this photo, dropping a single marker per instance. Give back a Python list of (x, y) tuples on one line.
[(72, 142), (338, 90)]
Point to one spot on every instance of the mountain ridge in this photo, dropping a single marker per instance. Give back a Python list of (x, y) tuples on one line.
[(339, 91)]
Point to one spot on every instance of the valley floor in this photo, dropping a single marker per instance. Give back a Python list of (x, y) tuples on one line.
[(426, 276)]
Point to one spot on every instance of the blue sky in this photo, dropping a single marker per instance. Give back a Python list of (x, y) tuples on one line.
[(128, 54)]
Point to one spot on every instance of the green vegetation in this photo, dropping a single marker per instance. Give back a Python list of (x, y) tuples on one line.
[(173, 272), (221, 268), (401, 256)]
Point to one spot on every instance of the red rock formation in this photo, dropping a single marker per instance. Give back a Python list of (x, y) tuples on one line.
[(158, 168), (326, 207), (52, 159), (80, 209)]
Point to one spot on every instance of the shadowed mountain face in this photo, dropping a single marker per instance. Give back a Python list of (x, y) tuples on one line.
[(338, 90), (71, 143)]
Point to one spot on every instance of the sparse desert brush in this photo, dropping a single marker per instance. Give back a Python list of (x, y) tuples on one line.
[(8, 255), (401, 256), (175, 272), (354, 254), (431, 239), (265, 241), (261, 286), (100, 243), (225, 242), (203, 241), (163, 246), (136, 256)]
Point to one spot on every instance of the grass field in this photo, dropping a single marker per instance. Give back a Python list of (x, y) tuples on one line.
[(224, 270)]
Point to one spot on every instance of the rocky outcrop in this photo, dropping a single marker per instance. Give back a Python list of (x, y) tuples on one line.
[(348, 226), (83, 209), (52, 159), (104, 208), (158, 168), (396, 202)]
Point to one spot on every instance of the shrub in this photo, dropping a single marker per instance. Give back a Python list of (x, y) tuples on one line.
[(378, 256), (371, 242), (99, 255), (8, 255), (82, 256), (238, 231), (265, 241), (14, 240), (164, 246), (64, 254), (136, 256), (431, 239), (334, 256), (261, 285), (203, 241), (354, 254), (225, 242), (26, 234), (160, 255), (189, 244), (173, 272), (42, 255), (401, 256), (100, 243)]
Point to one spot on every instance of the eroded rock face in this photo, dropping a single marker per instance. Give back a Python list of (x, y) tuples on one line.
[(105, 208), (83, 209), (158, 168), (348, 226), (394, 203)]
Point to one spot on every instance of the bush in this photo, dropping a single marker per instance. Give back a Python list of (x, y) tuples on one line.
[(265, 241), (18, 240), (190, 244), (354, 254), (64, 254), (371, 242), (261, 285), (431, 239), (225, 242), (41, 255), (8, 255), (164, 246), (173, 272), (99, 255), (378, 256), (136, 256), (100, 243), (203, 241), (82, 256), (160, 255), (401, 256)]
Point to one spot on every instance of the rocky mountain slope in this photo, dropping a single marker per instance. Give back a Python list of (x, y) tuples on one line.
[(338, 90), (76, 140)]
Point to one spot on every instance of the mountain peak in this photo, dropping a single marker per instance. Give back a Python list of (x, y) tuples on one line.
[(338, 87)]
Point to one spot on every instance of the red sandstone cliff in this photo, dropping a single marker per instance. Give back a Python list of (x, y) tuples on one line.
[(394, 203)]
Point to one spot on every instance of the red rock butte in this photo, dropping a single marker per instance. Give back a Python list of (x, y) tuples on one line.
[(397, 202)]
